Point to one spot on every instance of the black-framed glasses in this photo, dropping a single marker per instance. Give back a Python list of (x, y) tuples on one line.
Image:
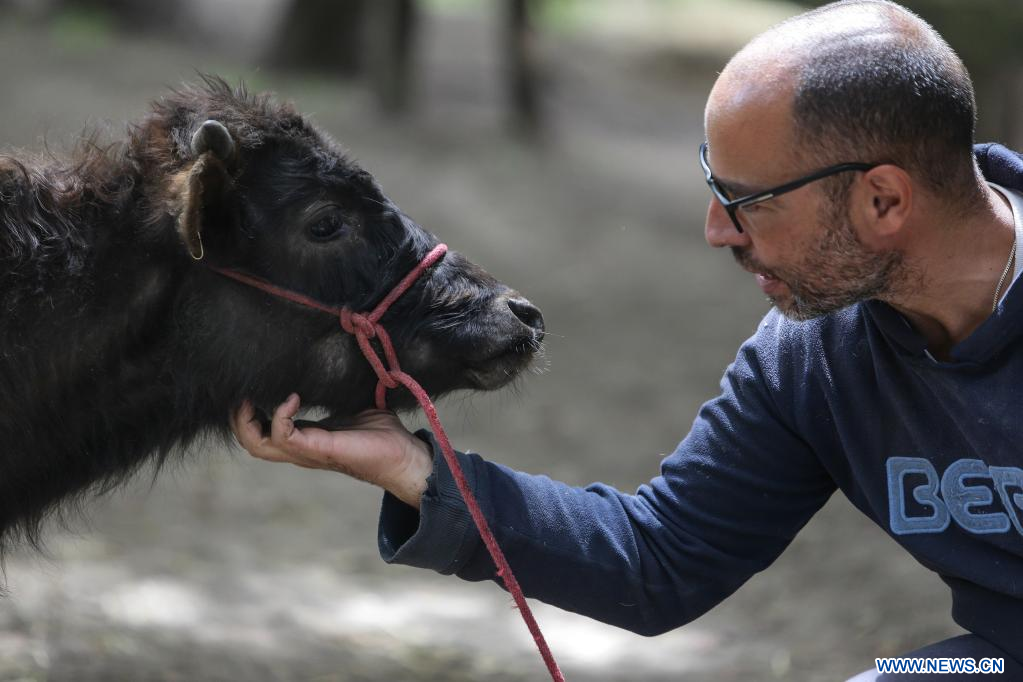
[(731, 206)]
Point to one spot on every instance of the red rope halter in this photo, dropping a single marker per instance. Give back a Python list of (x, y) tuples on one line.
[(366, 327)]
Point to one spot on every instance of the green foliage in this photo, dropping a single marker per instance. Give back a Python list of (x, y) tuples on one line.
[(559, 14), (562, 14), (82, 29), (456, 5)]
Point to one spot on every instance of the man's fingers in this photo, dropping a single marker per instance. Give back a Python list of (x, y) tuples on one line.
[(303, 443), (346, 422), (306, 444), (290, 443), (246, 427), (282, 426)]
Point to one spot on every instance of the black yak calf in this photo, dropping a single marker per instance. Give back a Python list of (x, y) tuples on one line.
[(118, 342)]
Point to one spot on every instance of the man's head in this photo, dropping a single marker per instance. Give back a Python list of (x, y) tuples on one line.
[(855, 81)]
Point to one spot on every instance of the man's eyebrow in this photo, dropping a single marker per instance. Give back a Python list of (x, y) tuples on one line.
[(736, 189)]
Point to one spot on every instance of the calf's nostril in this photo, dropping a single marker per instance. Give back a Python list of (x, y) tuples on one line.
[(528, 313)]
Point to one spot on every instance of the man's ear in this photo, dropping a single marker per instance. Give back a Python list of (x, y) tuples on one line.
[(886, 201), (205, 184)]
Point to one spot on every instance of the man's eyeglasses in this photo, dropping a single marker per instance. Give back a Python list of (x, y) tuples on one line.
[(731, 206)]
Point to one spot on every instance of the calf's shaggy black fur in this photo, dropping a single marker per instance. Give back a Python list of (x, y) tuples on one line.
[(117, 345)]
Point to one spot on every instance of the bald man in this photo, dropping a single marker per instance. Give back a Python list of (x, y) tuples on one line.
[(844, 177)]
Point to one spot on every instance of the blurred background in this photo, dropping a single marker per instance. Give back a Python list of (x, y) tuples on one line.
[(554, 142)]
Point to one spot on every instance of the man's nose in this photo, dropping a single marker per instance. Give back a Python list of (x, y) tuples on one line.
[(719, 229)]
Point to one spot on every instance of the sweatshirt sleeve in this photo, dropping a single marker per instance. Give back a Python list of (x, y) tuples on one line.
[(727, 501)]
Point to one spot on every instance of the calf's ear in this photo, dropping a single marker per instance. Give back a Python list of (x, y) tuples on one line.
[(205, 184)]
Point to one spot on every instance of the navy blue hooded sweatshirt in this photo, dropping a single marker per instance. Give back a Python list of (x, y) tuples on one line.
[(929, 450)]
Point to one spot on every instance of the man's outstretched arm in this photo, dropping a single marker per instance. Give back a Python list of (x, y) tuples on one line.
[(728, 501)]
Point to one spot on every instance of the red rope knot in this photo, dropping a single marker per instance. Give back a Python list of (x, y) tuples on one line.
[(355, 323), (387, 379)]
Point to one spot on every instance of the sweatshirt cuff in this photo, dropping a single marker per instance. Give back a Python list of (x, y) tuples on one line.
[(440, 536)]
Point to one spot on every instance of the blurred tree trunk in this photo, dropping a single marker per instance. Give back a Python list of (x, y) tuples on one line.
[(322, 35), (521, 67), (377, 39), (392, 29)]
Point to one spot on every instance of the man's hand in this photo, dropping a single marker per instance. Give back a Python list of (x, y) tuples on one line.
[(373, 447)]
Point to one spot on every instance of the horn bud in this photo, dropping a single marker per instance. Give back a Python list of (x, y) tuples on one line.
[(213, 137)]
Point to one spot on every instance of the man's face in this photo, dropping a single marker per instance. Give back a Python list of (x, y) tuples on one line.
[(802, 246), (829, 272)]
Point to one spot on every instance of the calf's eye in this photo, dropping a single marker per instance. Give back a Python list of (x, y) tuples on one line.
[(328, 227)]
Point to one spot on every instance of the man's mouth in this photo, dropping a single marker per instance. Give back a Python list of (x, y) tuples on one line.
[(769, 285)]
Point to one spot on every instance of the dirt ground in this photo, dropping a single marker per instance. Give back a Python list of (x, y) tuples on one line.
[(227, 568)]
